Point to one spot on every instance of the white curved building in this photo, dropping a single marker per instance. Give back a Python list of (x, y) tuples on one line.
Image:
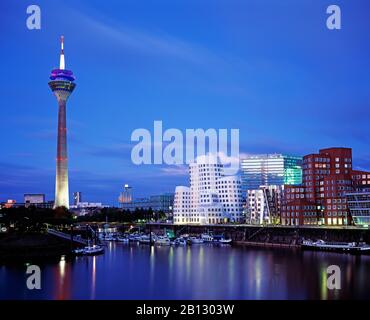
[(230, 195), (181, 205), (212, 197)]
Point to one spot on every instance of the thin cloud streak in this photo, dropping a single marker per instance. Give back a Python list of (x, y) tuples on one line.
[(154, 44)]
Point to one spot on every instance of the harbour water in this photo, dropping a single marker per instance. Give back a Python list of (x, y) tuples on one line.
[(130, 271)]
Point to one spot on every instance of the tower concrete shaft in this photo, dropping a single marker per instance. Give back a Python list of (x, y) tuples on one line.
[(62, 86), (61, 178)]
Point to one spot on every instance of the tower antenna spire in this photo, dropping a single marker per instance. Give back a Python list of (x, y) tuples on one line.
[(62, 63)]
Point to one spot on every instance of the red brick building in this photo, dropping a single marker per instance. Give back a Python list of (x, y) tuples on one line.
[(297, 210), (327, 177)]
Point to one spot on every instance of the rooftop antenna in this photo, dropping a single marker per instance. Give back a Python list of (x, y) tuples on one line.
[(62, 61)]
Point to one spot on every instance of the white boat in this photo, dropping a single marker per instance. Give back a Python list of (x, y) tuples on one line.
[(93, 250), (206, 237), (89, 250), (225, 241), (194, 240), (123, 239), (220, 239), (351, 247), (135, 237), (163, 241), (179, 242), (145, 239), (79, 251)]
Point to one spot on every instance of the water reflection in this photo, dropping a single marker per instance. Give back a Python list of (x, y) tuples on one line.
[(61, 281), (93, 278), (323, 282), (194, 272), (152, 268), (62, 267)]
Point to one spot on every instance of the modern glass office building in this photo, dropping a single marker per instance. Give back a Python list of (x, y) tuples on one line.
[(359, 207), (162, 202), (270, 169)]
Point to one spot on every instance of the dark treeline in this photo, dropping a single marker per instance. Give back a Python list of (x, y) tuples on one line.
[(35, 219), (119, 215)]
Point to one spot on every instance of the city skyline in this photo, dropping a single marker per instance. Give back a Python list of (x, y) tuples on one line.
[(185, 157), (132, 72)]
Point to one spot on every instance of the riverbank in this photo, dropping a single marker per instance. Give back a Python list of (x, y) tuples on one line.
[(22, 247)]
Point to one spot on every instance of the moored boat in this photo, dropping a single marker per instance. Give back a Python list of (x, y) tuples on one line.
[(195, 240), (135, 237), (163, 241), (349, 247), (145, 239), (93, 250), (206, 237), (179, 242), (89, 250), (79, 251), (225, 241), (220, 239), (123, 239)]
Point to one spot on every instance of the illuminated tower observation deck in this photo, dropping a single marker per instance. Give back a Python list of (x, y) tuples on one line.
[(62, 85)]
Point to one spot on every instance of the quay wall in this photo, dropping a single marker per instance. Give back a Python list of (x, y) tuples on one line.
[(283, 236)]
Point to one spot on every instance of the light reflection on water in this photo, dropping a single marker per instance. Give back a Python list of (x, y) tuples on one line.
[(93, 277), (195, 272)]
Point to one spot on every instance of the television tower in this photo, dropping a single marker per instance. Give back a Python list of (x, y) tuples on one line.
[(62, 85)]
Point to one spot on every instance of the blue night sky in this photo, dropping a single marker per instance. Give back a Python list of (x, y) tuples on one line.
[(270, 68)]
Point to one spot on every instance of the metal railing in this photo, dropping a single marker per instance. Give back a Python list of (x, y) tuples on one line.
[(66, 236)]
